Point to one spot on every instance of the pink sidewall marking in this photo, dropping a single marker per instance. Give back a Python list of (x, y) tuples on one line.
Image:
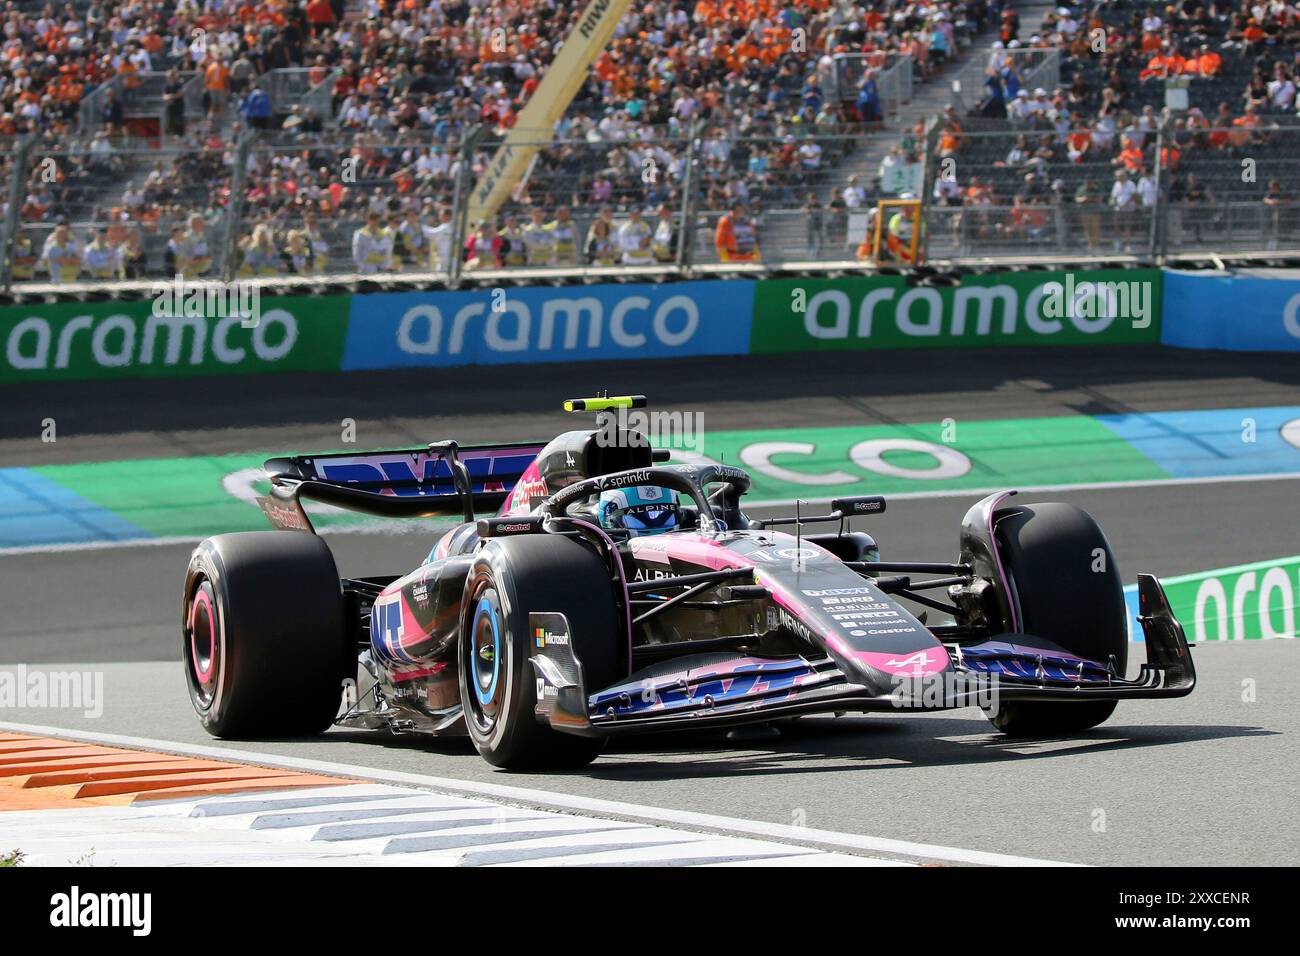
[(997, 561), (204, 673)]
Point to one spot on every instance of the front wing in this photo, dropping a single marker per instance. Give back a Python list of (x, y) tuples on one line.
[(749, 690)]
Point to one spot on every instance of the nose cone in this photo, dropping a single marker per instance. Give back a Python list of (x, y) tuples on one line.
[(873, 639), (920, 663)]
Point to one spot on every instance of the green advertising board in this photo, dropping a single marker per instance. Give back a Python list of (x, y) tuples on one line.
[(1110, 307), (1247, 602), (77, 341), (136, 339)]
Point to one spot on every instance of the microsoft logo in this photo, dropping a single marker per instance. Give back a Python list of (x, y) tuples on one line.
[(542, 637)]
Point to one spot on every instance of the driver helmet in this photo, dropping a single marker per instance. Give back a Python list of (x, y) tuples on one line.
[(644, 509)]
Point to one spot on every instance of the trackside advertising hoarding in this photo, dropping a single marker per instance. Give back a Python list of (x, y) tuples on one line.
[(573, 323), (1240, 313), (1020, 308), (126, 339), (117, 340), (1249, 602)]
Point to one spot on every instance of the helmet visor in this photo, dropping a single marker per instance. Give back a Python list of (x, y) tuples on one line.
[(650, 519)]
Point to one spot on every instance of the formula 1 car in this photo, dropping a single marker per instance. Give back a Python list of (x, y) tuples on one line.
[(614, 593)]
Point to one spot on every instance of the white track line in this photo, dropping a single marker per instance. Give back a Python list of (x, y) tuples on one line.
[(404, 826), (703, 822), (390, 527)]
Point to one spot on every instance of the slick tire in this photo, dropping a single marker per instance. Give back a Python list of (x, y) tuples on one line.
[(264, 637), (510, 578), (1065, 576)]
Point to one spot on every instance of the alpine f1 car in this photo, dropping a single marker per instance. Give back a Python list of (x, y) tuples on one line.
[(615, 593)]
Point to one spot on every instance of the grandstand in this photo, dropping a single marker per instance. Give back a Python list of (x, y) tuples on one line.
[(1164, 103), (284, 126)]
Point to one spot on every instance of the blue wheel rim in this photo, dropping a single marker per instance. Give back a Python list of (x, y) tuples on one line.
[(486, 693)]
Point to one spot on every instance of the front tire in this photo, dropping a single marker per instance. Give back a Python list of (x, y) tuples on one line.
[(1064, 574), (264, 637), (510, 578)]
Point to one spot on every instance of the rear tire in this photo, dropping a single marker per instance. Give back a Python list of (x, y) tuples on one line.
[(510, 578), (264, 636), (1050, 552)]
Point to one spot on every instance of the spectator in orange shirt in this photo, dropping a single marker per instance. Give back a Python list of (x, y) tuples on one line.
[(736, 239), (130, 75), (1078, 141), (1170, 155), (1254, 33), (950, 134), (1165, 63), (216, 85), (1130, 158), (1243, 131), (149, 217), (1028, 220), (1208, 63)]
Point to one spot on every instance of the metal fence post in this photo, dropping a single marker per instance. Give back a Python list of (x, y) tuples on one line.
[(686, 234), (17, 182), (1155, 243), (1163, 209), (927, 185), (234, 209), (460, 203)]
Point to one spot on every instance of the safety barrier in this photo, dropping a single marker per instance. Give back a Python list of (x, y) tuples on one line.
[(179, 332), (174, 333), (1249, 311)]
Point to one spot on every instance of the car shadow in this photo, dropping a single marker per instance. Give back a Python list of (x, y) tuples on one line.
[(823, 744), (829, 745)]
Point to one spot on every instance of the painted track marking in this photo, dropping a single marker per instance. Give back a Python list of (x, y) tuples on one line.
[(390, 528), (807, 838), (164, 809)]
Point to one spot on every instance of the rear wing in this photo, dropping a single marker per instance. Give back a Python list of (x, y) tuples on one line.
[(440, 480)]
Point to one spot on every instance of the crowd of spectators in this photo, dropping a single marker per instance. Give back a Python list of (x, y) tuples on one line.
[(757, 85), (754, 81), (1106, 118)]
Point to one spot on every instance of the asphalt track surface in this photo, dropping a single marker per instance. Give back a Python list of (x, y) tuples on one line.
[(1208, 779), (1198, 781)]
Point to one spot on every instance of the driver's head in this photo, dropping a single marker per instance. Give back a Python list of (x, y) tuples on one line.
[(645, 509)]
